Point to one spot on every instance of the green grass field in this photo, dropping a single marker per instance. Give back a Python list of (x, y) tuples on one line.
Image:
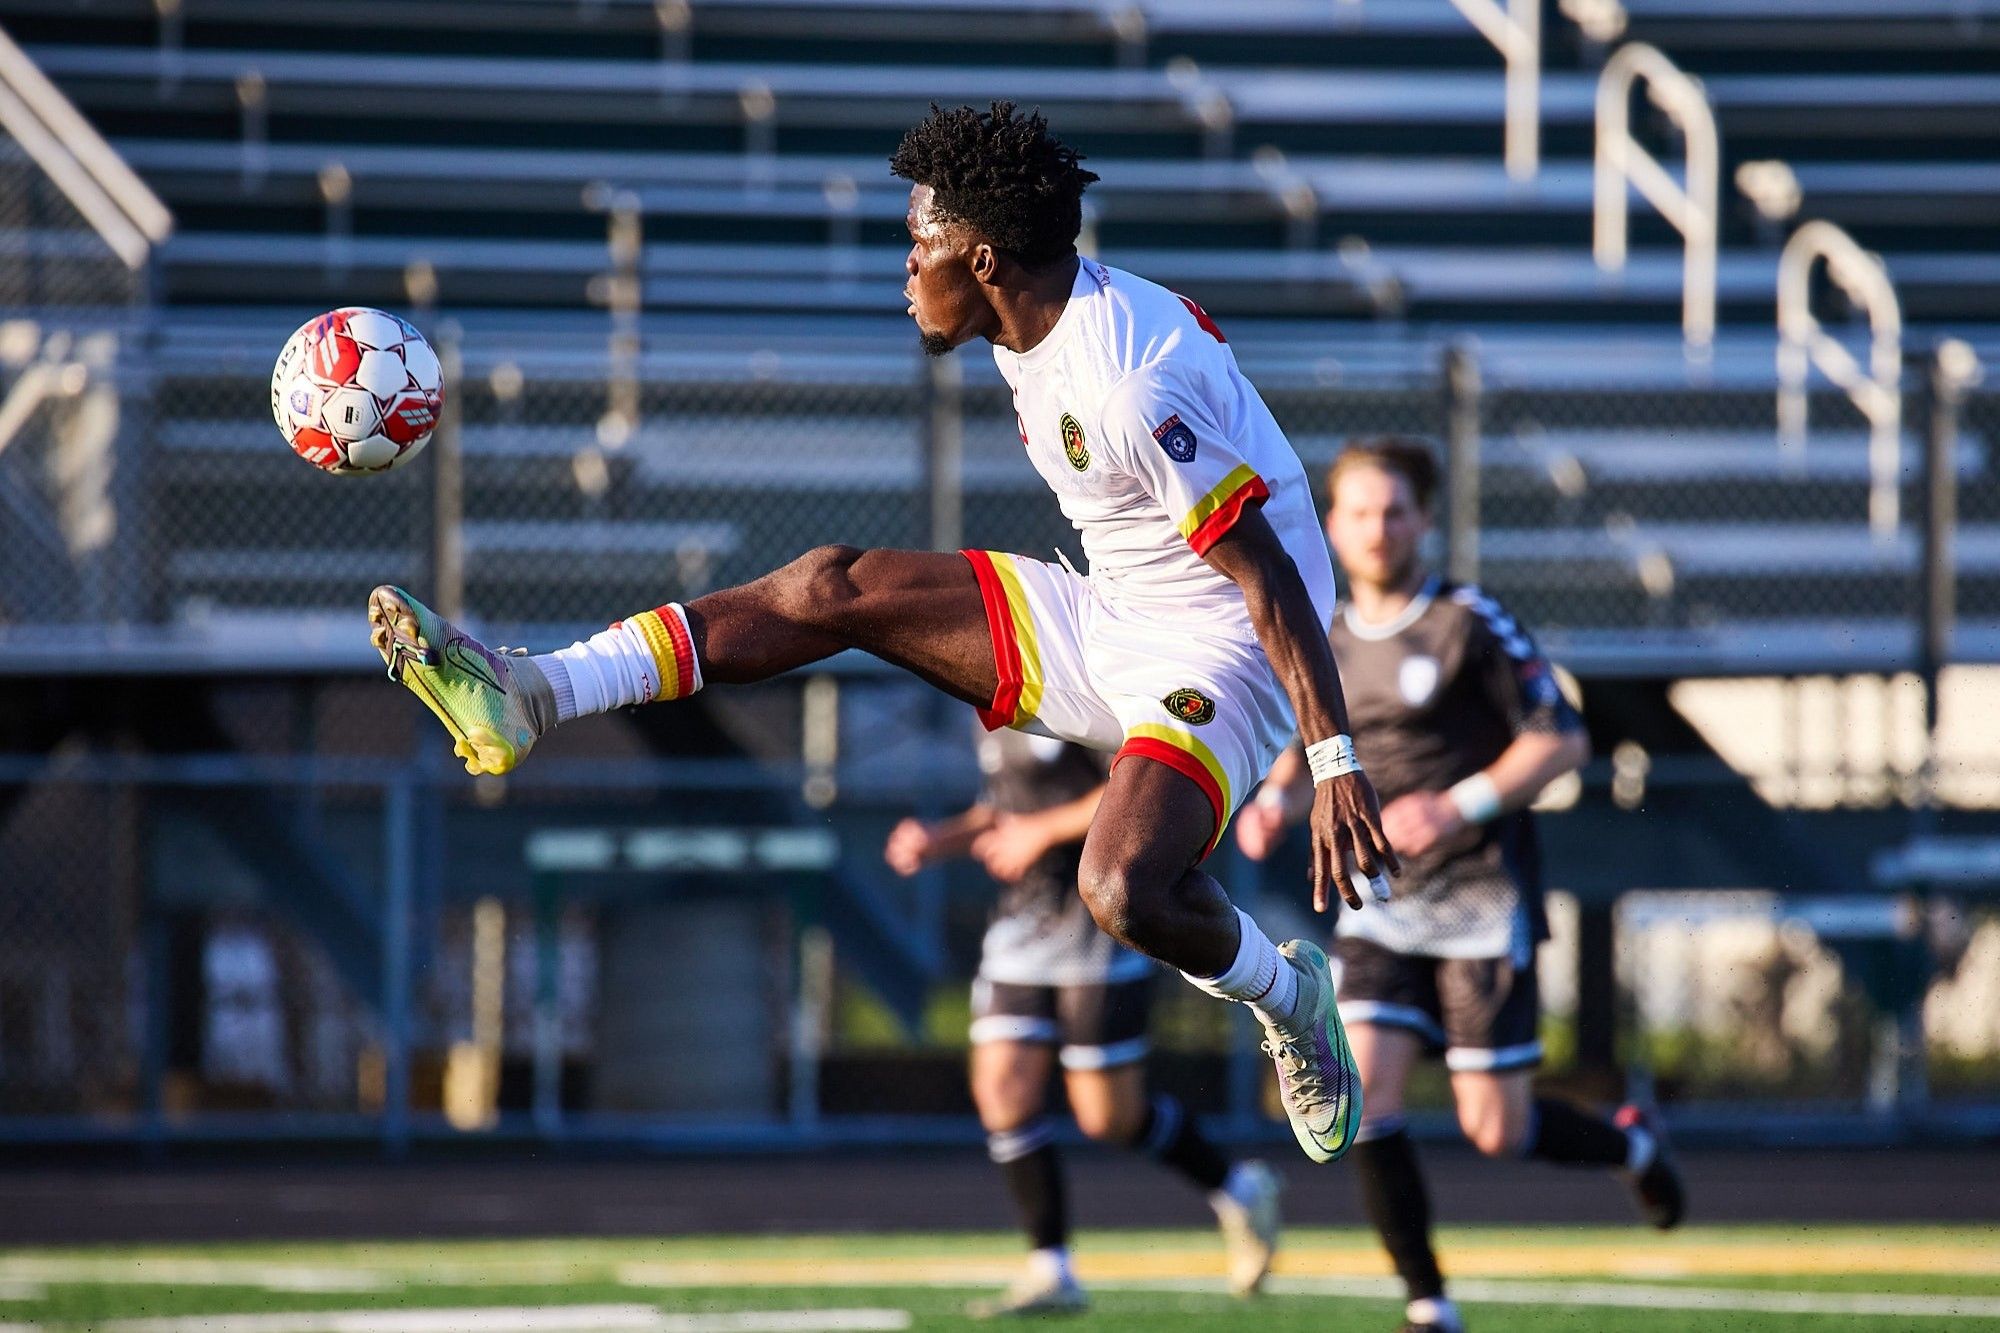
[(1511, 1280)]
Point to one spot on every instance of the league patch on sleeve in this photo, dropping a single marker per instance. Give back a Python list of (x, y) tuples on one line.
[(1174, 437)]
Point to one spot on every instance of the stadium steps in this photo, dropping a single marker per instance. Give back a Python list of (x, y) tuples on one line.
[(1271, 201), (1822, 36), (1351, 281), (1038, 32)]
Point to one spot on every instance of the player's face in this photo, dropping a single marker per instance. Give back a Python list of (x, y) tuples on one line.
[(1376, 527), (944, 296)]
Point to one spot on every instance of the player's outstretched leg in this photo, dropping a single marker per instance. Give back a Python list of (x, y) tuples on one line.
[(1142, 883), (920, 610)]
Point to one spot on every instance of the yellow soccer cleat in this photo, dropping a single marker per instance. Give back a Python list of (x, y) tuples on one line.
[(488, 704)]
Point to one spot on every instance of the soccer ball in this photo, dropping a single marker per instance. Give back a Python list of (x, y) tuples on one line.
[(357, 391)]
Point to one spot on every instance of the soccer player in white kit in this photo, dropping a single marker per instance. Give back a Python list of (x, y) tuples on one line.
[(1194, 648)]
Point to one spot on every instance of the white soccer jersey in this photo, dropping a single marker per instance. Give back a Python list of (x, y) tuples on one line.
[(1136, 415)]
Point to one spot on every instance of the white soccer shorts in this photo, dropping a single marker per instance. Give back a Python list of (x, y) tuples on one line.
[(1082, 667)]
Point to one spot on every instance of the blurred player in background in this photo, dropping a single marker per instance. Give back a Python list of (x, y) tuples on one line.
[(1192, 650), (1051, 986), (1463, 723)]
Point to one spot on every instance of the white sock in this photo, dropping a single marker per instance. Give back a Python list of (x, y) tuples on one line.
[(1438, 1310), (1640, 1149), (1052, 1263), (613, 669), (1258, 977)]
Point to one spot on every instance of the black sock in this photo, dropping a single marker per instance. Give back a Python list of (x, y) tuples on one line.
[(1027, 1158), (1562, 1133), (1392, 1192), (1170, 1137)]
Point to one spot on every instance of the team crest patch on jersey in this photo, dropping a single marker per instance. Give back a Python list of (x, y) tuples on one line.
[(1190, 706), (1176, 439), (1074, 449), (1417, 680)]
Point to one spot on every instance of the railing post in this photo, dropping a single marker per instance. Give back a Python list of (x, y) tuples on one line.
[(399, 842), (447, 473), (1462, 392), (1953, 368), (1802, 344), (547, 1105), (1516, 33), (1622, 164)]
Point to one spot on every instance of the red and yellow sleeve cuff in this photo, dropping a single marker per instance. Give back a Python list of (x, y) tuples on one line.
[(1216, 513)]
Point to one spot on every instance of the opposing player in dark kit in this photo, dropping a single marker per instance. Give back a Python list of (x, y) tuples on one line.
[(1193, 650), (1463, 723), (1053, 988)]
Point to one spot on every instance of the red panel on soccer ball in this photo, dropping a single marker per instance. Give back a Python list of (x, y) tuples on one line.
[(314, 445), (333, 359), (411, 417)]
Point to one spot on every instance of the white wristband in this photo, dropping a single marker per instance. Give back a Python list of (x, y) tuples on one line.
[(1477, 799), (1331, 758)]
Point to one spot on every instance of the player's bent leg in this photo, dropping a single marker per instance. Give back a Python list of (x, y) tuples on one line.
[(1139, 872), (1141, 880)]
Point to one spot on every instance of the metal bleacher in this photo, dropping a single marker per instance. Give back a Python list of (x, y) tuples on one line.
[(1325, 177)]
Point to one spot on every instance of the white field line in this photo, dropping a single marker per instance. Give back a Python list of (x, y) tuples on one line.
[(19, 1289), (789, 1321), (522, 1319), (191, 1273), (498, 1319)]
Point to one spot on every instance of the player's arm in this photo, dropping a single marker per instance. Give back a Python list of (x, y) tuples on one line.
[(1014, 843), (1346, 816), (914, 844)]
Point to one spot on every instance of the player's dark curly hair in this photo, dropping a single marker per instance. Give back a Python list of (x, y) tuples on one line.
[(1018, 185), (1404, 455)]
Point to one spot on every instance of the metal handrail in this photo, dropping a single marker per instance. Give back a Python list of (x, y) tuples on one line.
[(1622, 161), (1876, 391), (112, 199), (1516, 33)]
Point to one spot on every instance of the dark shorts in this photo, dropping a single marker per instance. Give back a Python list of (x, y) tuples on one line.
[(1483, 1013), (1098, 1026)]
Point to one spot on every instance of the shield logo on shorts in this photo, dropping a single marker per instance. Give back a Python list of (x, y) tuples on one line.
[(1417, 680), (1074, 448), (1190, 706)]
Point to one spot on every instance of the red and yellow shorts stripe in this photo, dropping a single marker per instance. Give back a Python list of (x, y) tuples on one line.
[(1017, 656), (1217, 512), (673, 651), (1188, 756)]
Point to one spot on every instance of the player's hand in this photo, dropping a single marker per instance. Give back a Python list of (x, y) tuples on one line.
[(1421, 821), (1347, 819), (909, 846), (1259, 828), (1011, 847)]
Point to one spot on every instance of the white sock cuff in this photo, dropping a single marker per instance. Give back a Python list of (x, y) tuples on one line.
[(1254, 970), (556, 672), (1011, 1145)]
